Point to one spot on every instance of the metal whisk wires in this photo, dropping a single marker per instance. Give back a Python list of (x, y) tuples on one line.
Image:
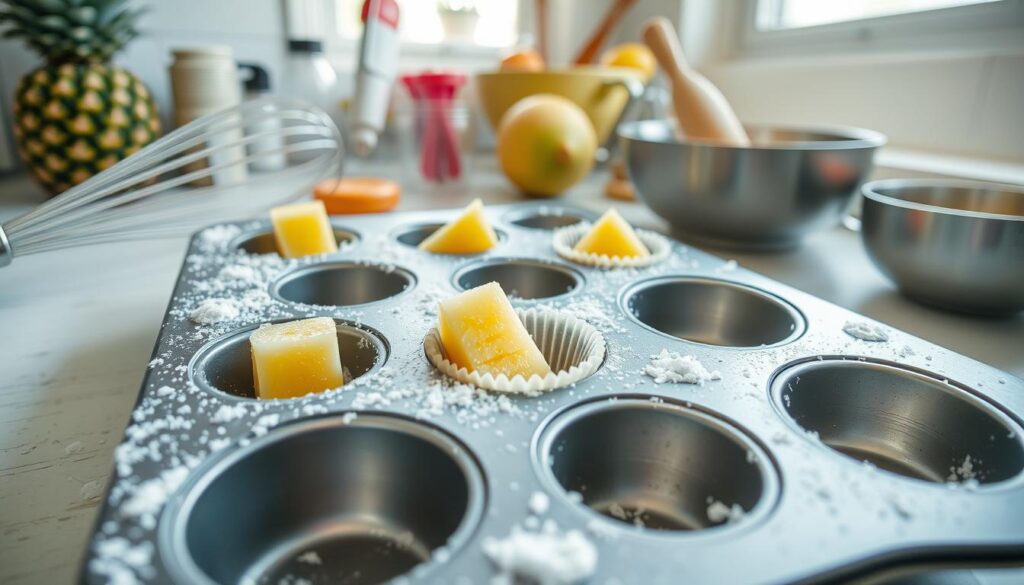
[(197, 175)]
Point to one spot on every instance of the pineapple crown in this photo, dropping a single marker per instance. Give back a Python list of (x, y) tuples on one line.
[(71, 31)]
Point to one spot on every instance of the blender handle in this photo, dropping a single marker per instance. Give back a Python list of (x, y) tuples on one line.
[(635, 88)]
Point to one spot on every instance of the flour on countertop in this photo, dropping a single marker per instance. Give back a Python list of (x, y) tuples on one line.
[(865, 331), (679, 369)]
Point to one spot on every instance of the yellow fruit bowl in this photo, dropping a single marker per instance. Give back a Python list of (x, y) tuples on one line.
[(602, 92)]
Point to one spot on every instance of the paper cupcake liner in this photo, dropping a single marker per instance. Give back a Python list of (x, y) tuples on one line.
[(573, 348), (566, 238)]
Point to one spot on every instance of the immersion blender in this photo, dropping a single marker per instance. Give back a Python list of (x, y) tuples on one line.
[(378, 64)]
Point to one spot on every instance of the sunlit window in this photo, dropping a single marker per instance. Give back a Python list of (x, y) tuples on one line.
[(489, 23), (783, 14)]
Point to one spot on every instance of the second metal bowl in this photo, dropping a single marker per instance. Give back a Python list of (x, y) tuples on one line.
[(791, 182), (954, 244)]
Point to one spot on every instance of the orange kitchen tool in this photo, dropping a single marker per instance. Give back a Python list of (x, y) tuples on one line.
[(701, 110), (616, 12), (358, 195)]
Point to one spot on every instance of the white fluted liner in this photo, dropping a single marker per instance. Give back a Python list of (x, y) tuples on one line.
[(573, 348), (566, 238)]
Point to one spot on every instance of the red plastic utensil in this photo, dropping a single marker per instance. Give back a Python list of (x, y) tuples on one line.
[(433, 94)]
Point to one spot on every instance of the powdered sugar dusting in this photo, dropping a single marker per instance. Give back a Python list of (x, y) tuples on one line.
[(865, 331), (678, 369)]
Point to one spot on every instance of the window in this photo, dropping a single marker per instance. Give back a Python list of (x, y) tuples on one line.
[(783, 14), (766, 28), (487, 23)]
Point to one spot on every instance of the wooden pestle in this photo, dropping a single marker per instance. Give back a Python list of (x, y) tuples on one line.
[(701, 110)]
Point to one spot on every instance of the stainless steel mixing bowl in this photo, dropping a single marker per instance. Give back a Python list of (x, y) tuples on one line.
[(791, 182), (953, 244)]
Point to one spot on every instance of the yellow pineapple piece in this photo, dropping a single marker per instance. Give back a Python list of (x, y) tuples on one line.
[(481, 332), (612, 236), (470, 233), (295, 358), (302, 229)]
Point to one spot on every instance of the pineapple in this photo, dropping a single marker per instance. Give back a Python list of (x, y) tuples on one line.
[(77, 114)]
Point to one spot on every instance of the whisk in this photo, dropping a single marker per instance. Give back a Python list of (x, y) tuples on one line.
[(165, 189)]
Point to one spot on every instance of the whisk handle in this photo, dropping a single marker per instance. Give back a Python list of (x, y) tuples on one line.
[(6, 253)]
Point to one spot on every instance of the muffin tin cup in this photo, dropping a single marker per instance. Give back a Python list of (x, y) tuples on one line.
[(901, 420), (224, 365), (342, 284), (664, 467), (263, 242), (294, 504), (573, 349), (413, 235), (522, 279), (565, 240), (712, 312)]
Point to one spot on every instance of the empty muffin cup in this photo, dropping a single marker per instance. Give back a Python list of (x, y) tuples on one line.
[(544, 218), (907, 422), (330, 500), (712, 312), (521, 278), (262, 241), (565, 239), (225, 364), (342, 284), (656, 465), (573, 349)]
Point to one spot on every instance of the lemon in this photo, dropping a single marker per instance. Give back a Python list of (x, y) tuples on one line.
[(546, 144), (632, 55)]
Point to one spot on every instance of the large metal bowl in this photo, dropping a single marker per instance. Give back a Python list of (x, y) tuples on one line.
[(789, 183), (953, 244)]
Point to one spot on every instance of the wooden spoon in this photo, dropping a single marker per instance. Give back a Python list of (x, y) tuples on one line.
[(616, 12), (702, 111)]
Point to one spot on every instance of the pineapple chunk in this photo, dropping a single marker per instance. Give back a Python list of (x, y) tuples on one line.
[(481, 332), (612, 236), (295, 358), (470, 233), (302, 229)]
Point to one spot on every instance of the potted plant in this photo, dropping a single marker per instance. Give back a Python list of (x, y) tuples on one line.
[(77, 114)]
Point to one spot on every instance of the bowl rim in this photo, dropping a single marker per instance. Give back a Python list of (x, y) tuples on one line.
[(851, 137), (870, 191), (589, 70)]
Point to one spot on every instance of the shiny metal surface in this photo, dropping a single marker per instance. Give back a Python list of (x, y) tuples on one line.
[(6, 254), (655, 465), (790, 183), (812, 514), (901, 421), (952, 244), (372, 497), (225, 364), (712, 312), (342, 284), (521, 278)]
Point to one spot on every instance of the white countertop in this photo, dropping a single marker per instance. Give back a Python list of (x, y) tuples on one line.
[(77, 328)]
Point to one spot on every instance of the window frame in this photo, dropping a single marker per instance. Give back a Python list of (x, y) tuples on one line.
[(337, 43), (993, 25)]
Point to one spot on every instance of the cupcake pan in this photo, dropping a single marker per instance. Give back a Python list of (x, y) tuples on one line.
[(756, 477)]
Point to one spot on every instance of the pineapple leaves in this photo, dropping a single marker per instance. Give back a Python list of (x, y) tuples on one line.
[(71, 31)]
